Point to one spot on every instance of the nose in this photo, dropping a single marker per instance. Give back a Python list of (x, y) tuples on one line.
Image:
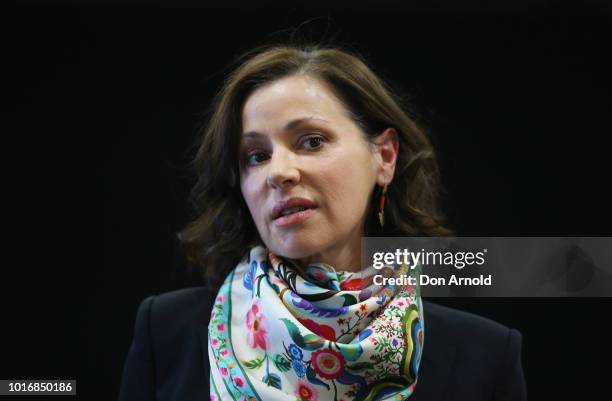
[(282, 170)]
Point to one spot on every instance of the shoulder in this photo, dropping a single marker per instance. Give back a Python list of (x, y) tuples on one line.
[(452, 326), (490, 351), (179, 308), (178, 333), (485, 341), (168, 346), (168, 304), (175, 317)]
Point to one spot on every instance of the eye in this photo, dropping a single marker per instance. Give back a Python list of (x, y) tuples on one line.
[(254, 158), (313, 142)]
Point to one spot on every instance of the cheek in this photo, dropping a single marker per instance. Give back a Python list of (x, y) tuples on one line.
[(249, 193), (347, 195), (348, 198)]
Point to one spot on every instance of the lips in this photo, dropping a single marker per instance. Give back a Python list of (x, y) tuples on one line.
[(291, 205)]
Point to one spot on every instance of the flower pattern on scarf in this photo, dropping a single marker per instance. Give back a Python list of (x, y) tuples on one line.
[(328, 364), (305, 391), (282, 332), (256, 325)]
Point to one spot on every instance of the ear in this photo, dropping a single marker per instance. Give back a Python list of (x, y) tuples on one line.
[(386, 150)]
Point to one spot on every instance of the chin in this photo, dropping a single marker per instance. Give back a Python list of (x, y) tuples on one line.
[(296, 248)]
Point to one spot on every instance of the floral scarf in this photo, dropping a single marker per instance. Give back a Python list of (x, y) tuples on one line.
[(280, 333)]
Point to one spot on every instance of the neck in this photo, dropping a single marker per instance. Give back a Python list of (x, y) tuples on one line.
[(342, 257)]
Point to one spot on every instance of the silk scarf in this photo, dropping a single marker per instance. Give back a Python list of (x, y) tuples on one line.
[(282, 332)]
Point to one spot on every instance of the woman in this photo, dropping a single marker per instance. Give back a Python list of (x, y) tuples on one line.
[(306, 152)]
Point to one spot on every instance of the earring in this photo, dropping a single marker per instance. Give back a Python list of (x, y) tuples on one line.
[(381, 206)]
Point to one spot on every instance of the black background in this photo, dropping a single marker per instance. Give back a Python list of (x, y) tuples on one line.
[(104, 106)]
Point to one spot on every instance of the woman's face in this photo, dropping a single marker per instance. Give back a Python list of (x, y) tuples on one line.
[(307, 171)]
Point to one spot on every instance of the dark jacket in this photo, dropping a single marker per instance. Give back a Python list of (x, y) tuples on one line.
[(465, 357)]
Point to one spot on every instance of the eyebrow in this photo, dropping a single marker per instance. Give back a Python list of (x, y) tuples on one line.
[(289, 126)]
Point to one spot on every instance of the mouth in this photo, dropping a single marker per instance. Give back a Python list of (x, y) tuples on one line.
[(292, 209), (293, 218)]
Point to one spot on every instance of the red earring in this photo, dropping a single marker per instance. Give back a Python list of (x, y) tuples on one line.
[(381, 206)]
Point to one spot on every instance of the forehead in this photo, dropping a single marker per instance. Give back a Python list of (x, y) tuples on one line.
[(297, 96)]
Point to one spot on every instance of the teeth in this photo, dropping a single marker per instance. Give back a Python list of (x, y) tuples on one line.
[(292, 210)]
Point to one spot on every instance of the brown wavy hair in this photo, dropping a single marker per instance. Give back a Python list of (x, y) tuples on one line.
[(223, 229)]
